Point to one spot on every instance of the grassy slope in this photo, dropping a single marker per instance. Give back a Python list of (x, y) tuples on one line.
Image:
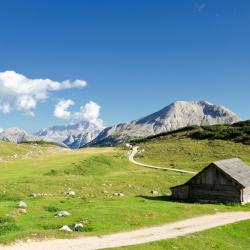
[(185, 153), (231, 237), (182, 152), (11, 151), (89, 172)]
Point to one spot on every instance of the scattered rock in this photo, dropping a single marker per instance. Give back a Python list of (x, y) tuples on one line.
[(65, 228), (22, 205), (154, 192), (35, 195), (63, 214), (119, 194), (71, 193), (78, 226)]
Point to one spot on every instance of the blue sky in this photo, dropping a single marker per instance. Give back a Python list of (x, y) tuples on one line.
[(136, 56)]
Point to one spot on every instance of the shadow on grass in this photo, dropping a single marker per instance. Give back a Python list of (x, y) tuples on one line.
[(157, 198), (200, 202)]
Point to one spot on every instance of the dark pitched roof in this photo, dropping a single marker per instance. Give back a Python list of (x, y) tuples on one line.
[(236, 169)]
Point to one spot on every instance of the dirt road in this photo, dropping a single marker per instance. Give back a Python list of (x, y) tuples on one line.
[(139, 236), (135, 151)]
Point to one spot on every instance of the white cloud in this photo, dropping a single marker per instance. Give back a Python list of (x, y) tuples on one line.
[(89, 112), (17, 92), (61, 109)]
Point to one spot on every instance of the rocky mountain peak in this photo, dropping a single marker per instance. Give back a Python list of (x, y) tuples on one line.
[(177, 115)]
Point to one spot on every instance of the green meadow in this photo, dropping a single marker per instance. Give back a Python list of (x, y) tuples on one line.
[(96, 174), (230, 237)]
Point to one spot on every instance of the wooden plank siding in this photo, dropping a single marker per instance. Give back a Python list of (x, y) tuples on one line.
[(210, 185)]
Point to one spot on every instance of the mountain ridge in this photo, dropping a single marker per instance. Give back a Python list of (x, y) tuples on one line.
[(174, 116), (73, 135)]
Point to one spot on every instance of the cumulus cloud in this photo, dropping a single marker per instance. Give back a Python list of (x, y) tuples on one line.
[(88, 112), (61, 109), (18, 92)]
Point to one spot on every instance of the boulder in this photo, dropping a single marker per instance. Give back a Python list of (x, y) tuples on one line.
[(78, 226), (65, 228), (154, 192), (63, 214), (71, 193), (22, 205)]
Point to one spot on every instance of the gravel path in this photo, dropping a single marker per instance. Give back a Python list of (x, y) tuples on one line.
[(139, 236), (135, 151)]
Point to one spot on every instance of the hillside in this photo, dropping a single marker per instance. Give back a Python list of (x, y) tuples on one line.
[(98, 175), (10, 151), (237, 132), (176, 115)]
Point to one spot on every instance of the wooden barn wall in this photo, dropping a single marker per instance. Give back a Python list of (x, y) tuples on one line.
[(214, 185), (212, 176), (181, 192), (210, 185)]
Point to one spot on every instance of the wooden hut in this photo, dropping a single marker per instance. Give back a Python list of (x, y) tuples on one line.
[(226, 181)]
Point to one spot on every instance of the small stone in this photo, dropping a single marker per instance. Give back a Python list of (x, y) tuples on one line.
[(71, 193), (119, 194), (154, 192), (34, 195), (78, 225), (22, 205), (65, 228), (63, 214)]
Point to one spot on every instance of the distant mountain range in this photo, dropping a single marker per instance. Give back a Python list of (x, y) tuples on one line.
[(73, 135), (17, 135), (177, 115)]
